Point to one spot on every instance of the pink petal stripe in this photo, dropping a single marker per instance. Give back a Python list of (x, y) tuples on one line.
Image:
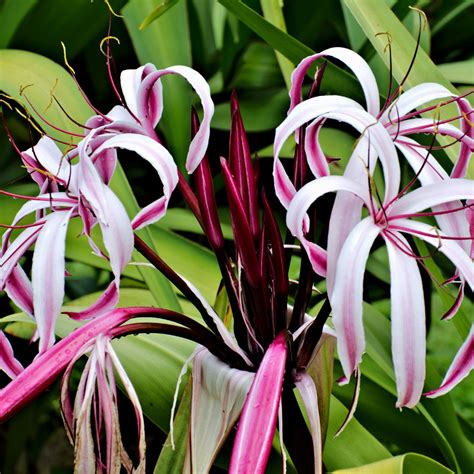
[(159, 157), (309, 395), (257, 423), (353, 61), (408, 325), (314, 154), (300, 204), (465, 152), (199, 143), (459, 369), (347, 111), (47, 275), (346, 298), (49, 365), (8, 363), (19, 290), (105, 302), (15, 251)]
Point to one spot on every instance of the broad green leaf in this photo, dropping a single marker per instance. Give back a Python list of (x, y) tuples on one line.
[(164, 43), (37, 78), (335, 80), (273, 12), (354, 447), (451, 14), (171, 460), (460, 72), (12, 13), (410, 463), (162, 8), (75, 22), (375, 17)]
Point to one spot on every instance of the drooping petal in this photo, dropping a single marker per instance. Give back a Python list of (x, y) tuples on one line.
[(47, 275), (159, 157), (465, 151), (15, 251), (309, 395), (199, 143), (458, 256), (350, 59), (218, 395), (432, 195), (348, 111), (414, 98), (300, 204), (257, 423), (51, 158), (346, 298), (19, 290), (8, 363), (105, 302), (316, 158), (459, 369), (408, 324), (130, 81)]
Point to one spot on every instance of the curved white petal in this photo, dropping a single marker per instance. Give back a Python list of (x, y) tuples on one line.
[(353, 61), (346, 298), (309, 395), (348, 111), (304, 198), (317, 161), (408, 324), (199, 143), (153, 152), (460, 368), (452, 223), (47, 275), (432, 195), (414, 98), (458, 256)]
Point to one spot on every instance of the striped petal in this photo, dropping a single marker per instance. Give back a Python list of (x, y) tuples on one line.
[(300, 204), (47, 275), (459, 369), (257, 423), (346, 298), (159, 157), (350, 59), (8, 363), (146, 93), (408, 324)]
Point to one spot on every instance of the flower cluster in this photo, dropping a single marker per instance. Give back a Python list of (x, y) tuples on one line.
[(252, 371)]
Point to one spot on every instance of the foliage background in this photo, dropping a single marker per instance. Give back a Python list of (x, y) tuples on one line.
[(233, 55)]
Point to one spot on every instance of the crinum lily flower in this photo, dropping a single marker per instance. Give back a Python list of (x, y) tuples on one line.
[(43, 296), (390, 221), (398, 116)]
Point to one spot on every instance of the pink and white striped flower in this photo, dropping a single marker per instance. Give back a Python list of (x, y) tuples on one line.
[(390, 221)]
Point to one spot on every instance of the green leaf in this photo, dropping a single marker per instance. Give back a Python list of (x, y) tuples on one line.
[(172, 460), (164, 43), (12, 13), (75, 22), (334, 78), (38, 77), (162, 8), (354, 447), (375, 17), (410, 463), (273, 12), (460, 72)]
